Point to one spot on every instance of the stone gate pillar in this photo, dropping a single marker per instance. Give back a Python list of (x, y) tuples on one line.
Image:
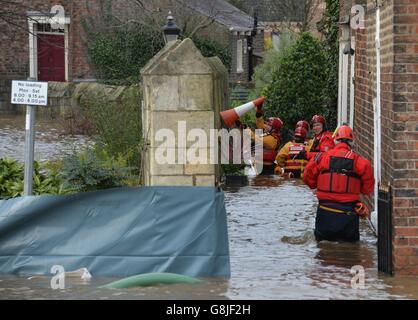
[(183, 95)]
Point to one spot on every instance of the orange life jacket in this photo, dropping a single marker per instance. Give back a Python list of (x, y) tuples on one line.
[(340, 176), (292, 163)]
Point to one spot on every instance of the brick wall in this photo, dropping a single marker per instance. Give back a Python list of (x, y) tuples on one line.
[(405, 135), (14, 41), (79, 64), (14, 44), (399, 109)]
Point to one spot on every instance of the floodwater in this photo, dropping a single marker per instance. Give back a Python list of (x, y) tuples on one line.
[(50, 141), (273, 253)]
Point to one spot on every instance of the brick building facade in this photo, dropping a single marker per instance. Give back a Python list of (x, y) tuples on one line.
[(398, 159), (22, 28), (24, 23)]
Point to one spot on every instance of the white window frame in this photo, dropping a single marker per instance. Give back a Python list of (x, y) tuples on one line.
[(33, 19), (240, 59), (352, 82)]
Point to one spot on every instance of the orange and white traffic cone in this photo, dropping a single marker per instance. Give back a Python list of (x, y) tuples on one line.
[(230, 116)]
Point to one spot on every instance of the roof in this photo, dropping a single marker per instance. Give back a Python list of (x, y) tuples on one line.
[(223, 12), (275, 10)]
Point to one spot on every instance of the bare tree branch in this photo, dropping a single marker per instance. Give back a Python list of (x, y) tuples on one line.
[(10, 18)]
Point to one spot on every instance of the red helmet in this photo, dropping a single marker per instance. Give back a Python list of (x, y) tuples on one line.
[(275, 123), (317, 118), (303, 124), (344, 132), (301, 132)]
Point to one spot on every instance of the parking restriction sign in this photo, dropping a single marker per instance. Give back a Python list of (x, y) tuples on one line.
[(29, 92)]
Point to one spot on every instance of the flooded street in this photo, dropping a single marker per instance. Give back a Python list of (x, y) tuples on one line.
[(50, 142), (273, 251), (273, 256)]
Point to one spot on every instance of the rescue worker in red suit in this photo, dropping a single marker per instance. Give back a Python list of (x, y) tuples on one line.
[(323, 140), (340, 176)]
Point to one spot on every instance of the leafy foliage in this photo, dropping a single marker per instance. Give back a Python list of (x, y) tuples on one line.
[(117, 124), (329, 26), (118, 56), (233, 169), (94, 169), (263, 73), (45, 181), (88, 170), (209, 48), (298, 88)]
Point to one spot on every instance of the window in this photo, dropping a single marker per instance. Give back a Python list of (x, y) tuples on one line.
[(46, 27), (239, 56), (275, 37)]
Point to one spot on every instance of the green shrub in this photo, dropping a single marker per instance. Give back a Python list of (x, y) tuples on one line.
[(117, 124), (209, 48), (93, 169), (45, 180), (233, 169), (299, 86), (263, 73), (88, 170)]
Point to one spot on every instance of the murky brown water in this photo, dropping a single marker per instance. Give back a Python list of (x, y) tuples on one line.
[(273, 253), (50, 143)]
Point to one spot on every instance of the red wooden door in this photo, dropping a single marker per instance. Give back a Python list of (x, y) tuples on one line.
[(51, 57)]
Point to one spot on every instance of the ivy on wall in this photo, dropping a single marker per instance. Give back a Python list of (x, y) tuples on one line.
[(118, 51), (118, 56), (329, 27)]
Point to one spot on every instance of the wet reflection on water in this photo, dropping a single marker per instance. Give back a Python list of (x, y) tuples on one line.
[(40, 288), (274, 254), (273, 251), (50, 141)]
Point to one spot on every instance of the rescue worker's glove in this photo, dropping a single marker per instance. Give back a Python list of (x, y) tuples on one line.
[(278, 170), (361, 210), (240, 125), (259, 111), (288, 175), (302, 155)]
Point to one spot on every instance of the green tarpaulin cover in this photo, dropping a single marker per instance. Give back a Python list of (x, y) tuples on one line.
[(117, 232)]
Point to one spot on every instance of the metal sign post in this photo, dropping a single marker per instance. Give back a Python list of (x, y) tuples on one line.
[(29, 149), (31, 93)]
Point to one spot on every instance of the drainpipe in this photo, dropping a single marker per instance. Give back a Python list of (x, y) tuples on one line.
[(377, 121), (250, 43), (345, 43), (352, 82)]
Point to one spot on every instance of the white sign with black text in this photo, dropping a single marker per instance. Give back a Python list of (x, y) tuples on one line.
[(29, 92)]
